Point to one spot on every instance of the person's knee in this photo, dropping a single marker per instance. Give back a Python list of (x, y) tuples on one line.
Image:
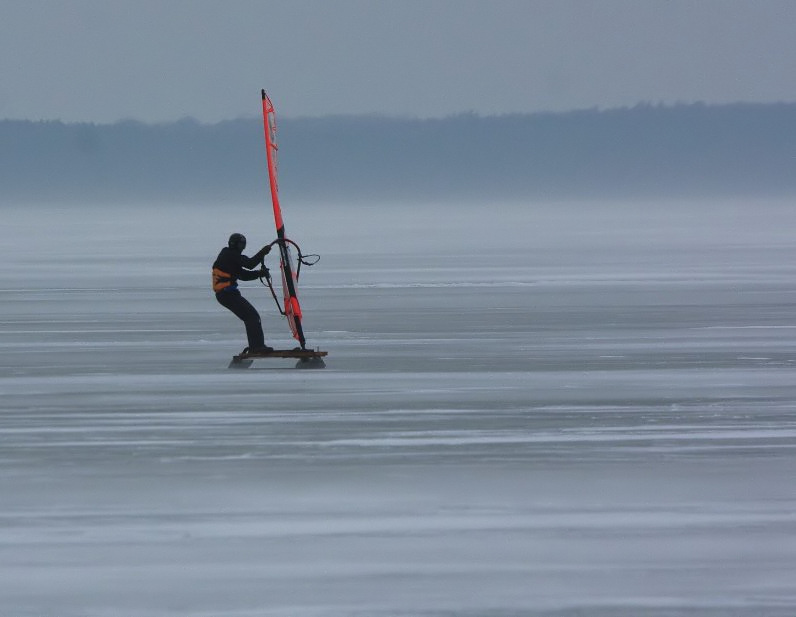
[(252, 317)]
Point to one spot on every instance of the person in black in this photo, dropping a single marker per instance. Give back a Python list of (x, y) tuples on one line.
[(231, 265)]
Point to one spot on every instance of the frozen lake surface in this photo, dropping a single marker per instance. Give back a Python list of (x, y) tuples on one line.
[(577, 410)]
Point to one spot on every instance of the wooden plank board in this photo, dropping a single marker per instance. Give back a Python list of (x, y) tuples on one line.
[(307, 358), (283, 353)]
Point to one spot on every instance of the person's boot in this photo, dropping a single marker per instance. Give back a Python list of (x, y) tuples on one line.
[(263, 349)]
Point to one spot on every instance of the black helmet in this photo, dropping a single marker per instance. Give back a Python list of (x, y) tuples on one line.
[(237, 242)]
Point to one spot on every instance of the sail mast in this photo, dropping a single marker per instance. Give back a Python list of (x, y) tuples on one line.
[(289, 273)]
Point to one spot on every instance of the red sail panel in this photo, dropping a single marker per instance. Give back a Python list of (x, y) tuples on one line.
[(286, 263), (271, 148)]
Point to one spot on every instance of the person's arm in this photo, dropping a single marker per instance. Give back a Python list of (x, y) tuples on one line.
[(254, 261), (250, 275)]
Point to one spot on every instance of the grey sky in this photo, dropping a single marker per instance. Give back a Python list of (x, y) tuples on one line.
[(104, 60)]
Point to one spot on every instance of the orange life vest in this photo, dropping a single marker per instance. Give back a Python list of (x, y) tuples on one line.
[(221, 280)]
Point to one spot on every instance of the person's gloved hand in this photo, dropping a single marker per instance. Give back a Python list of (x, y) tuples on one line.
[(264, 272)]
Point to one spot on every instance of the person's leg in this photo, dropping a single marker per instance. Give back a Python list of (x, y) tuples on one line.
[(254, 327), (244, 310)]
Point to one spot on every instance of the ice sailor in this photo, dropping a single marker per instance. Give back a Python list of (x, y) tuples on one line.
[(231, 265)]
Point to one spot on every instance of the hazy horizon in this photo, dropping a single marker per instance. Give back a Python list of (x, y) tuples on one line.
[(408, 116), (641, 152)]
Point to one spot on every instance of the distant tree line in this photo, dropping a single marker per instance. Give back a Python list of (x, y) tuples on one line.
[(644, 151)]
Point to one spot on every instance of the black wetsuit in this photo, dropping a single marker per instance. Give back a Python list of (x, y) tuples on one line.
[(229, 266)]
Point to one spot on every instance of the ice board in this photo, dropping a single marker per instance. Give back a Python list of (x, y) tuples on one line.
[(307, 358)]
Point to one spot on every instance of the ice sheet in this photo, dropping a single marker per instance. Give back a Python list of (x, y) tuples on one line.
[(579, 409)]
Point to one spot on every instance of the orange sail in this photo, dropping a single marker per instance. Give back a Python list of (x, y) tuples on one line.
[(292, 308)]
